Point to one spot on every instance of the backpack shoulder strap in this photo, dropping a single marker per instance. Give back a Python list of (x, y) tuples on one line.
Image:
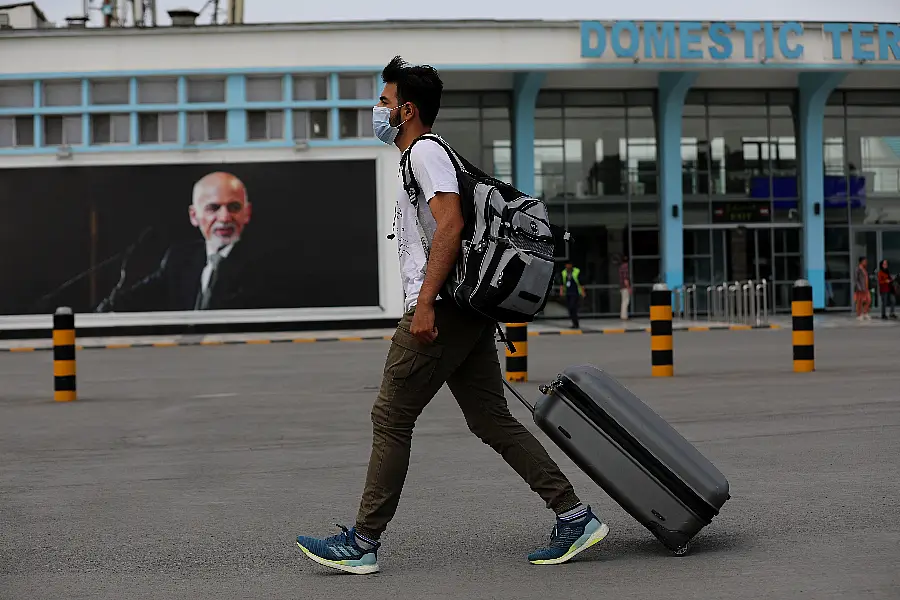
[(506, 190), (458, 162), (410, 185), (412, 189)]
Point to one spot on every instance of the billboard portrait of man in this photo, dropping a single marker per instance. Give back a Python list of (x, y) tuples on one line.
[(222, 270), (221, 210), (191, 236)]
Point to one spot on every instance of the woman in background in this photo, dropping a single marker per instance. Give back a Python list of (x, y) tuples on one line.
[(885, 291)]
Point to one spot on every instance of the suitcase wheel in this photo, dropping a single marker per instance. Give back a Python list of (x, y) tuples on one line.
[(682, 550)]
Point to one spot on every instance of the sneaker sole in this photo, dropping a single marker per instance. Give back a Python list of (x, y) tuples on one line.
[(595, 537), (341, 565)]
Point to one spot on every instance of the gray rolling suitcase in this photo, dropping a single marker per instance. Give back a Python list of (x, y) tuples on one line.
[(634, 455)]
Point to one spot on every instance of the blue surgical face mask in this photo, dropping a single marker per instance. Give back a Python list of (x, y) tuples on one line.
[(381, 123)]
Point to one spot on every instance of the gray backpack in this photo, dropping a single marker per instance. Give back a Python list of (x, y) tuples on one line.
[(506, 267)]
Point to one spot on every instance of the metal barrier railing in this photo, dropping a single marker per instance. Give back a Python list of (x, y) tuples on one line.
[(740, 302), (685, 302)]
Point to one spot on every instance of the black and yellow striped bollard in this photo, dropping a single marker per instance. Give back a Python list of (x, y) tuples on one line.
[(661, 354), (64, 355), (803, 335), (517, 362)]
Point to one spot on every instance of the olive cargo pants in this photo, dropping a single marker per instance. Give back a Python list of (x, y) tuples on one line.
[(464, 356)]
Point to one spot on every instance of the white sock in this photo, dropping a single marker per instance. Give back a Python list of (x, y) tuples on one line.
[(364, 542), (574, 514)]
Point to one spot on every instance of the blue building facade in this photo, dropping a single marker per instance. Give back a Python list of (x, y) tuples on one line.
[(705, 152)]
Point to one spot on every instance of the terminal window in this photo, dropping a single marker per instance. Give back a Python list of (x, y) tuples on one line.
[(356, 88), (356, 123), (309, 89), (17, 95), (16, 132), (265, 89), (158, 90), (113, 91), (208, 126), (110, 129), (310, 124), (62, 93), (265, 125), (62, 130), (158, 128), (477, 124), (206, 90)]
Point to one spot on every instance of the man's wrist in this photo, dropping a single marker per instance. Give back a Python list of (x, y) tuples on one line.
[(426, 302)]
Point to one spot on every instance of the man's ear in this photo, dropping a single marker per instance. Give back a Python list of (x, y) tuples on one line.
[(249, 211), (409, 111), (192, 214)]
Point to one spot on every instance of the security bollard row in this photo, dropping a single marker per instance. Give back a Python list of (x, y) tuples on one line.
[(739, 303)]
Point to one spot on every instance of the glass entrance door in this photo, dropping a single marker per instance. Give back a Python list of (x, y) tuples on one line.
[(715, 256), (890, 249), (787, 267)]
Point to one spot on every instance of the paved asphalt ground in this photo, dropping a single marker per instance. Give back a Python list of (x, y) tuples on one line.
[(188, 472)]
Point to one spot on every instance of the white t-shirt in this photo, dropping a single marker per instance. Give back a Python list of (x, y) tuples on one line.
[(434, 173)]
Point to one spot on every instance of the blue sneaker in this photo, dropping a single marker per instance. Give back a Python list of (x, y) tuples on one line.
[(341, 552), (570, 536)]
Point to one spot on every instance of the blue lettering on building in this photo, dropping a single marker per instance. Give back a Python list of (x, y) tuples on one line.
[(718, 35), (686, 40), (748, 29), (787, 50), (659, 42)]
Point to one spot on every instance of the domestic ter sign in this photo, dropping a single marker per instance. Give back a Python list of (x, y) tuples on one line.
[(720, 41)]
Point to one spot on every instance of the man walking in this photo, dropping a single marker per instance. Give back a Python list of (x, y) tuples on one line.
[(437, 343), (573, 291)]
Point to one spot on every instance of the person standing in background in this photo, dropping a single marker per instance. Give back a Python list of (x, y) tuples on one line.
[(573, 291), (886, 291), (861, 288), (624, 288), (108, 9)]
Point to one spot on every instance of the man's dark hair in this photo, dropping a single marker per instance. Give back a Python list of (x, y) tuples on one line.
[(861, 258), (420, 85)]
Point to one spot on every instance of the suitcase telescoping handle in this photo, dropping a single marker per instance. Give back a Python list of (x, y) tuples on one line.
[(521, 398)]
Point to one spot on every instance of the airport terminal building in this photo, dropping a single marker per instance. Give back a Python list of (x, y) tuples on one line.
[(704, 151)]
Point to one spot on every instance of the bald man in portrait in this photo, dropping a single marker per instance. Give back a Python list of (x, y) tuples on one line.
[(223, 270)]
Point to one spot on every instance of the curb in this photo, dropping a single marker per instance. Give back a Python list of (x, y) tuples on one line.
[(259, 342), (609, 331), (312, 340)]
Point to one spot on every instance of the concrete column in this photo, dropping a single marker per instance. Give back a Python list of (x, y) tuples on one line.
[(287, 94), (86, 117), (814, 89), (673, 88), (334, 114), (38, 101), (135, 118), (525, 91), (235, 94), (182, 113)]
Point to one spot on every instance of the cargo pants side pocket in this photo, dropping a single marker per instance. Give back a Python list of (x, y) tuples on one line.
[(411, 363)]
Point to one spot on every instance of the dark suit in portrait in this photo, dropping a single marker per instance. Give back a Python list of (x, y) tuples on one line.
[(246, 278)]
